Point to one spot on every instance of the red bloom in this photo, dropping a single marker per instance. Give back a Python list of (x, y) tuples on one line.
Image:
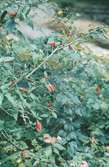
[(98, 89), (51, 88), (52, 43), (12, 13), (38, 126)]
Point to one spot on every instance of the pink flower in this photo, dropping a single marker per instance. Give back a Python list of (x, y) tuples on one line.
[(52, 43), (50, 140)]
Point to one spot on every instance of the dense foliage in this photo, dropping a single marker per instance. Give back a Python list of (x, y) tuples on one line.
[(54, 100)]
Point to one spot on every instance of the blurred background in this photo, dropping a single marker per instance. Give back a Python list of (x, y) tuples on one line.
[(91, 9)]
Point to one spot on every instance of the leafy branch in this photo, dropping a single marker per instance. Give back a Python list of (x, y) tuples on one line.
[(46, 59)]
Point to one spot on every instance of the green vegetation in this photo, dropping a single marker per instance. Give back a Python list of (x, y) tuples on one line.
[(54, 100), (64, 3)]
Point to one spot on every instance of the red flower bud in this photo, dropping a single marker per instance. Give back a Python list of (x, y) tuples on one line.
[(38, 126), (51, 88), (52, 43), (12, 13), (98, 89)]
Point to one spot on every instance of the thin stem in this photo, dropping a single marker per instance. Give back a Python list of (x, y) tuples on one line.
[(49, 56), (6, 136)]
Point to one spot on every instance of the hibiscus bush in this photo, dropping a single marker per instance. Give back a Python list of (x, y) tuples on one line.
[(54, 100)]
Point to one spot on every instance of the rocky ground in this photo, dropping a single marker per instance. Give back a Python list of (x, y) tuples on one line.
[(45, 23)]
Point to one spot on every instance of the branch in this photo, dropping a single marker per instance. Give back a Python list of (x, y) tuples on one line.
[(49, 56), (45, 60)]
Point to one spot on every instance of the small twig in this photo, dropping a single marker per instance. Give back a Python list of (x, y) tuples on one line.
[(2, 17), (16, 82), (6, 136), (49, 56), (2, 109), (45, 60)]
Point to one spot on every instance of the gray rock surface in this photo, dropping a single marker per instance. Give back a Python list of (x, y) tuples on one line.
[(39, 16)]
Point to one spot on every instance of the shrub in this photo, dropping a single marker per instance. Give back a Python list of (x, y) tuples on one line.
[(54, 103)]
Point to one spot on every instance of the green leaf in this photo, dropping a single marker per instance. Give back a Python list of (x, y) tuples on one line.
[(59, 147), (1, 125), (6, 59), (11, 99), (56, 151), (48, 152), (54, 115), (1, 99), (96, 106)]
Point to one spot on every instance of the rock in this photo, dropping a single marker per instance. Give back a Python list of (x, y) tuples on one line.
[(32, 33), (39, 16), (84, 25)]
